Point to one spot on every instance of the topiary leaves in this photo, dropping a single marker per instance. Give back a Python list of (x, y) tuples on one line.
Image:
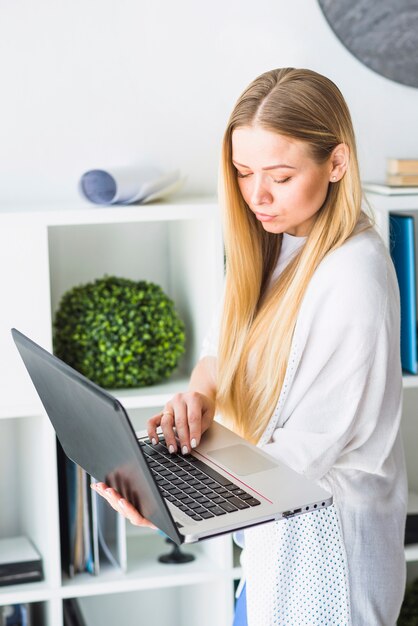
[(119, 332)]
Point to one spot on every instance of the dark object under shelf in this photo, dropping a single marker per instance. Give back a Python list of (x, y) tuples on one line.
[(411, 529), (72, 613)]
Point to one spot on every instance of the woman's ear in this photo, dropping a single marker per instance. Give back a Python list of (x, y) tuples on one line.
[(340, 157)]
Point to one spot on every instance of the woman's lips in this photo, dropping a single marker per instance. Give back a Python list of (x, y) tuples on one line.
[(264, 218)]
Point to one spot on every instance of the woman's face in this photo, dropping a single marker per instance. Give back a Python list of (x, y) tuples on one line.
[(281, 183)]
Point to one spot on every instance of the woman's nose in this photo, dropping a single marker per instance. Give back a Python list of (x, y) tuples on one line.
[(260, 193)]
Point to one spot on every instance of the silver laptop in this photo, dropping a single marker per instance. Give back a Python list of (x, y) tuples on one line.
[(224, 485)]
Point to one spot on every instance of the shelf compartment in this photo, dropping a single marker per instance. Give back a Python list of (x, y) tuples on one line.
[(144, 571), (28, 491), (206, 604), (168, 254), (53, 250)]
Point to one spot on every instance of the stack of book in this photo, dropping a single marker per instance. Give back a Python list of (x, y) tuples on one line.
[(401, 179), (92, 533), (402, 172)]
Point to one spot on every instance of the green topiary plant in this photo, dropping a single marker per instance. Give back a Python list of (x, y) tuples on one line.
[(119, 333)]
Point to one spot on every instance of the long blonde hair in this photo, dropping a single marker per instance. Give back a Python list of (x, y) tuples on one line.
[(256, 323)]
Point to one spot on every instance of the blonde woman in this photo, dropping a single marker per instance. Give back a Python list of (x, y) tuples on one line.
[(304, 360)]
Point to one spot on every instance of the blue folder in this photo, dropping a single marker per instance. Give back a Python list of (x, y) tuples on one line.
[(240, 616), (402, 249)]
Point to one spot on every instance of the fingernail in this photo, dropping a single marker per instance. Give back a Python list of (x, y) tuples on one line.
[(184, 450), (171, 449), (154, 441), (121, 504), (193, 443)]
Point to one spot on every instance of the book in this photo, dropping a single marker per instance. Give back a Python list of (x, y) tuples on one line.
[(404, 180), (93, 563), (67, 474), (389, 190), (402, 249), (402, 166)]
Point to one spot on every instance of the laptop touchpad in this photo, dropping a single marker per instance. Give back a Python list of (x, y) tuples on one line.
[(241, 460)]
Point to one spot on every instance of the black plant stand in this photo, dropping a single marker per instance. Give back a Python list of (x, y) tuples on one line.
[(176, 555)]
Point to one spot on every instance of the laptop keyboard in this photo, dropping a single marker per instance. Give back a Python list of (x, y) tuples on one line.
[(195, 488)]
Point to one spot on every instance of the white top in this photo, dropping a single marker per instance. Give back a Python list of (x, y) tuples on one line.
[(290, 245), (337, 422)]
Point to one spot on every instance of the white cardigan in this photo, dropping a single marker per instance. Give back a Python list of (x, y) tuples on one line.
[(337, 419)]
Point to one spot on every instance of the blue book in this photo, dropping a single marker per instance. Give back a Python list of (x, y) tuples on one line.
[(14, 615), (240, 615), (402, 249)]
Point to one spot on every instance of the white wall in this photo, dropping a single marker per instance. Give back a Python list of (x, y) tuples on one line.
[(91, 83)]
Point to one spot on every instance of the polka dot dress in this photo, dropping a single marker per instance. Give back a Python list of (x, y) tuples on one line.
[(296, 572)]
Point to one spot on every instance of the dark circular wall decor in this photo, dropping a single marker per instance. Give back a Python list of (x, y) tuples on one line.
[(382, 34)]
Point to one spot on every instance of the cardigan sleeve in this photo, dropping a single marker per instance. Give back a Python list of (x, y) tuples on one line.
[(343, 406)]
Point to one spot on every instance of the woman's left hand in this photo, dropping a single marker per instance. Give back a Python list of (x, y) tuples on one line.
[(121, 505)]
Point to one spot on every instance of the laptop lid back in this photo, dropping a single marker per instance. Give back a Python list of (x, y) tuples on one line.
[(95, 432)]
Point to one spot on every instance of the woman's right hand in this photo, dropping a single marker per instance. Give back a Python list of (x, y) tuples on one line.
[(183, 421)]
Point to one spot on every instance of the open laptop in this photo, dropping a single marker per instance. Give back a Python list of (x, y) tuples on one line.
[(224, 485)]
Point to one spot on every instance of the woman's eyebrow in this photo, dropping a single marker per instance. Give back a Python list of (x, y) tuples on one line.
[(269, 167)]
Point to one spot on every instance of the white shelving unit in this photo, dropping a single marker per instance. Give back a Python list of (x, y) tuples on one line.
[(43, 252), (382, 205)]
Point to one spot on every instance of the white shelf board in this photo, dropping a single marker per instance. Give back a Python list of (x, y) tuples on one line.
[(73, 213), (392, 203), (411, 552), (410, 381), (145, 571), (145, 397), (154, 396), (137, 398), (383, 189), (26, 592)]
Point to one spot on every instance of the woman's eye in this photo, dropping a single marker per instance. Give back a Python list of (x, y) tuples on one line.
[(239, 175), (283, 180)]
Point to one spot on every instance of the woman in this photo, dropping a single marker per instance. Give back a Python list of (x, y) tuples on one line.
[(305, 358)]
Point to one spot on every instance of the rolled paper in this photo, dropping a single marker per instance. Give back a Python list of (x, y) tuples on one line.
[(126, 185)]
